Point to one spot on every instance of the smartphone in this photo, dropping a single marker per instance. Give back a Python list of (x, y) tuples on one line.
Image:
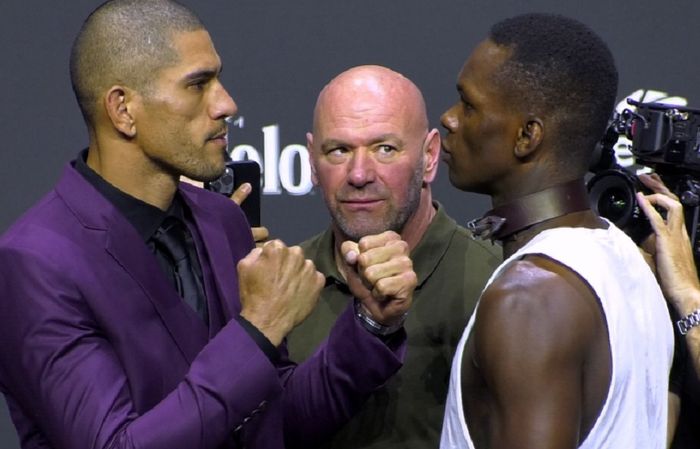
[(235, 174)]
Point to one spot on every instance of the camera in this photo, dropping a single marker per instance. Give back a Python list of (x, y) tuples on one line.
[(665, 138)]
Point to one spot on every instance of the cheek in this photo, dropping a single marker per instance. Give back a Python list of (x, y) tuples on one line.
[(398, 179), (329, 177)]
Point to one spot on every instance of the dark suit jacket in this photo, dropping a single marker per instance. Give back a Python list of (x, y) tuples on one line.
[(97, 349)]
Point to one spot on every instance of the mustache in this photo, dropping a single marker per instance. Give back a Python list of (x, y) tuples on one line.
[(367, 192), (220, 132)]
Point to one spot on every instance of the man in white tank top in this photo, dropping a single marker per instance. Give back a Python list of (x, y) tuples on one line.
[(571, 343)]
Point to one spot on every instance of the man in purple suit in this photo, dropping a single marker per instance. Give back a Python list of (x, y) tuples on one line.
[(135, 311)]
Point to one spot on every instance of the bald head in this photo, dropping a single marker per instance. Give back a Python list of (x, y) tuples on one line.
[(125, 42), (372, 154), (372, 88)]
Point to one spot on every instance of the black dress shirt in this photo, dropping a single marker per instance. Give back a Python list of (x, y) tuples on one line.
[(147, 219)]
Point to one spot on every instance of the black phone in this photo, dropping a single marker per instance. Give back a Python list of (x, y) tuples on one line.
[(235, 174)]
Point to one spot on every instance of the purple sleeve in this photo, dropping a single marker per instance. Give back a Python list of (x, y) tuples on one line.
[(63, 375), (327, 389)]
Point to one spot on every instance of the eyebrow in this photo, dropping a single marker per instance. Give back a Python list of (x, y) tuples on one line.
[(203, 74), (389, 137)]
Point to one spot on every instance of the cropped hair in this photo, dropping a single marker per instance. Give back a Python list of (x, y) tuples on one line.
[(560, 68), (125, 42)]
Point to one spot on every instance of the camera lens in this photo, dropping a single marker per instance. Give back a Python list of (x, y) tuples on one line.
[(612, 195), (614, 204)]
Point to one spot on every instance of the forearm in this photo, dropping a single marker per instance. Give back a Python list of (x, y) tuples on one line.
[(685, 305)]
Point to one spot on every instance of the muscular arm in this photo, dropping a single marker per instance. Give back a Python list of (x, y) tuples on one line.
[(533, 333)]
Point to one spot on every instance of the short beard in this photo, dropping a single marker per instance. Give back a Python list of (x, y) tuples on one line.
[(354, 230)]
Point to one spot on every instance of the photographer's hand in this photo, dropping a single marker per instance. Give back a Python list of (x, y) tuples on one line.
[(672, 249)]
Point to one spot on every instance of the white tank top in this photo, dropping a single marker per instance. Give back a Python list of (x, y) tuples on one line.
[(634, 414)]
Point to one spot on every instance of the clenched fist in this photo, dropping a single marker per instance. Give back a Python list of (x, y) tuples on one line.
[(380, 275), (278, 288)]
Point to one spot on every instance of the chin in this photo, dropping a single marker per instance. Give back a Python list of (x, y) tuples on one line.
[(206, 173)]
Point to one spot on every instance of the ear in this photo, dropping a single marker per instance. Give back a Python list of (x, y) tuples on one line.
[(431, 155), (529, 138), (312, 159), (117, 101)]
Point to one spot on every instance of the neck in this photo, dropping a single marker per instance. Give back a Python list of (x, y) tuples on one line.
[(128, 171), (516, 222), (551, 202), (418, 223)]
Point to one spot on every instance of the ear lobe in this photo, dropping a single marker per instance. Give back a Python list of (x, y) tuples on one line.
[(529, 138), (117, 106)]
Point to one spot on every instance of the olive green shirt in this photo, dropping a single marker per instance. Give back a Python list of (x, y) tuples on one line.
[(407, 412)]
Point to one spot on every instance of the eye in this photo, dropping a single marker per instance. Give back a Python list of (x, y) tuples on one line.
[(386, 149), (386, 152), (198, 84), (466, 105), (336, 154)]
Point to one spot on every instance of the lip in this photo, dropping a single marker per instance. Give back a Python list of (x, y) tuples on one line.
[(220, 138), (361, 204), (221, 135)]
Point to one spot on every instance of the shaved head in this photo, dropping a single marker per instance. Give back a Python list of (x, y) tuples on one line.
[(369, 86), (125, 42)]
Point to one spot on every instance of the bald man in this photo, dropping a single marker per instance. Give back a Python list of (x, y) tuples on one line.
[(374, 158)]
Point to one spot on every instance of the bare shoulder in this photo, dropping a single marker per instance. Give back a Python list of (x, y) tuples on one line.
[(541, 302)]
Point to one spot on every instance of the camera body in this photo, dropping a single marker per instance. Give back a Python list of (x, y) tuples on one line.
[(665, 138)]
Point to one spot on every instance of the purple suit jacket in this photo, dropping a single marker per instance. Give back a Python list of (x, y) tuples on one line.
[(97, 350)]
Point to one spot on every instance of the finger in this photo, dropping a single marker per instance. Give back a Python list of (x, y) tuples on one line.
[(250, 259), (260, 234), (391, 267), (652, 214), (397, 287), (350, 250), (675, 218), (653, 181), (377, 240), (395, 249), (241, 193)]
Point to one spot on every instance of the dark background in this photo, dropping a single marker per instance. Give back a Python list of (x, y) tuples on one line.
[(277, 55)]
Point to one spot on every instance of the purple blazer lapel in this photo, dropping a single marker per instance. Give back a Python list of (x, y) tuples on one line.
[(215, 238), (130, 253)]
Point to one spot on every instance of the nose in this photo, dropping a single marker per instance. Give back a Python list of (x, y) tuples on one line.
[(222, 105), (449, 120), (361, 170)]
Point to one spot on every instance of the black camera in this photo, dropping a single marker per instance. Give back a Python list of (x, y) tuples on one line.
[(665, 138)]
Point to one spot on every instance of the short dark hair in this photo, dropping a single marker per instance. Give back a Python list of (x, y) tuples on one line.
[(561, 68), (125, 42)]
